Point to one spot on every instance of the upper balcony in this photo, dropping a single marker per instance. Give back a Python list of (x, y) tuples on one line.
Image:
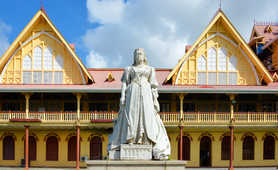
[(169, 118)]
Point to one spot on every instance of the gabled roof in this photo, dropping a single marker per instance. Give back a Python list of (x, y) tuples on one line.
[(17, 42), (260, 67)]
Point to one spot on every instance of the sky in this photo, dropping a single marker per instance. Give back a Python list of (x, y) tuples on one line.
[(106, 32)]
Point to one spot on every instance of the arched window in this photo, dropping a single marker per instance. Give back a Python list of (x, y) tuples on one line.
[(222, 60), (269, 147), (72, 149), (8, 148), (58, 63), (27, 67), (202, 64), (248, 148), (52, 149), (47, 60), (232, 63), (27, 63), (95, 148), (32, 148), (37, 57), (185, 148), (226, 148), (212, 59)]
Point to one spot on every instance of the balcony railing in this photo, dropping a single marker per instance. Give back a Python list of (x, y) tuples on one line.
[(167, 117)]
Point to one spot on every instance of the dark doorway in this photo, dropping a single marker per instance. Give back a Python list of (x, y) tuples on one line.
[(72, 149), (185, 148), (96, 148), (52, 149), (8, 148), (32, 148), (205, 152)]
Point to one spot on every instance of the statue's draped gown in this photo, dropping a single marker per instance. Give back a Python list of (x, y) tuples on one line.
[(138, 121)]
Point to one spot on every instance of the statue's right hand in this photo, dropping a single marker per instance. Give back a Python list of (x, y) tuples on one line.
[(122, 101)]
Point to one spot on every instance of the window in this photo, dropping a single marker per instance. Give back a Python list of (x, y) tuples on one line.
[(58, 77), (232, 63), (8, 148), (32, 148), (52, 149), (165, 107), (27, 63), (27, 77), (218, 69), (202, 78), (37, 57), (47, 62), (58, 63), (222, 59), (50, 73), (212, 59), (269, 147), (226, 148), (248, 148), (202, 63)]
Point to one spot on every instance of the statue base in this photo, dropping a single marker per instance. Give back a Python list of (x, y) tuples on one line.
[(132, 152), (135, 165)]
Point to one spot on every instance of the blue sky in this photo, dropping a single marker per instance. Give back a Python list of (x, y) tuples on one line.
[(106, 32)]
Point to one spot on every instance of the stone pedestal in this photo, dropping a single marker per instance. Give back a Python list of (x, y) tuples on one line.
[(135, 165), (132, 152)]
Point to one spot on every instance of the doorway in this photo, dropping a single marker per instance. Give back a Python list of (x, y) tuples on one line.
[(205, 152)]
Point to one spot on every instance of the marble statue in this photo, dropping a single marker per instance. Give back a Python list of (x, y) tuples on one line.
[(138, 120)]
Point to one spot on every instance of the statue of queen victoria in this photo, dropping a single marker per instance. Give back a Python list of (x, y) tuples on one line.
[(138, 120)]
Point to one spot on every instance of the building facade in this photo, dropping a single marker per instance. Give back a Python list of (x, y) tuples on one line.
[(54, 109)]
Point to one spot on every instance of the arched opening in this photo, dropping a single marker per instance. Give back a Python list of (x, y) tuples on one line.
[(8, 148), (205, 151), (96, 148), (32, 148), (248, 148), (269, 147), (52, 149), (72, 149), (185, 148), (226, 148)]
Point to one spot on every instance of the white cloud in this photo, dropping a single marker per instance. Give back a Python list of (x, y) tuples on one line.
[(4, 42), (105, 11), (162, 28), (95, 60)]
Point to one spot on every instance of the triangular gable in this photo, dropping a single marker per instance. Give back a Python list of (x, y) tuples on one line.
[(17, 43), (264, 74)]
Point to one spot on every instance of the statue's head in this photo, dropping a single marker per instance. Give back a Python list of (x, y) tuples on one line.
[(139, 56)]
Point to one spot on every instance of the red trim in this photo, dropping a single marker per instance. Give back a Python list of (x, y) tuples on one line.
[(78, 148), (101, 121), (25, 120), (26, 148)]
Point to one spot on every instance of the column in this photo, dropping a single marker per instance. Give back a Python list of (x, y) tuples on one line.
[(26, 147), (232, 148), (181, 149), (181, 97), (27, 97), (232, 99), (78, 97), (78, 147)]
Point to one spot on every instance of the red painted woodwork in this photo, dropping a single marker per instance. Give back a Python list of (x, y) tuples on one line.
[(226, 148), (78, 147), (180, 144), (8, 148), (96, 148), (185, 147), (248, 148), (269, 147), (52, 149), (205, 152), (32, 148), (72, 149), (231, 147)]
